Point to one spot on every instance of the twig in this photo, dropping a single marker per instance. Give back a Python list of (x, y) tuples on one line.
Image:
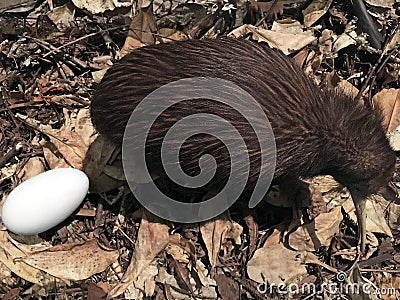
[(385, 61), (10, 154), (378, 63), (13, 6), (82, 38), (378, 270), (64, 57), (393, 58)]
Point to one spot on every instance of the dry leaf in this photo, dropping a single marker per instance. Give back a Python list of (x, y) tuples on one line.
[(100, 6), (204, 275), (205, 288), (214, 233), (182, 273), (315, 11), (347, 88), (8, 172), (325, 42), (146, 280), (344, 40), (234, 233), (169, 35), (311, 258), (34, 166), (375, 215), (76, 261), (141, 30), (115, 172), (265, 7), (252, 232), (177, 253), (203, 23), (394, 42), (319, 232), (325, 183), (145, 284), (227, 287), (83, 126), (62, 16), (5, 273), (381, 3), (275, 264), (100, 153), (394, 139), (274, 238), (98, 75), (388, 101), (70, 144), (287, 43), (313, 64), (97, 291), (393, 216), (8, 256), (200, 284), (300, 57), (181, 249), (288, 26), (152, 238), (332, 79), (52, 159), (169, 280)]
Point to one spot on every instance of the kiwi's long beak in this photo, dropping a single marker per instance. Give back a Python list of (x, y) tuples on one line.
[(359, 203)]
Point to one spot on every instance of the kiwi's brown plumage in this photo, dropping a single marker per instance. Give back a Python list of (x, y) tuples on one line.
[(316, 131)]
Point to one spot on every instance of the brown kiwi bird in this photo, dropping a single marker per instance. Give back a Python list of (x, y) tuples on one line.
[(317, 131)]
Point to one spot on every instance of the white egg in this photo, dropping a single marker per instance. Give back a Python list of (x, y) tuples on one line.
[(44, 200)]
